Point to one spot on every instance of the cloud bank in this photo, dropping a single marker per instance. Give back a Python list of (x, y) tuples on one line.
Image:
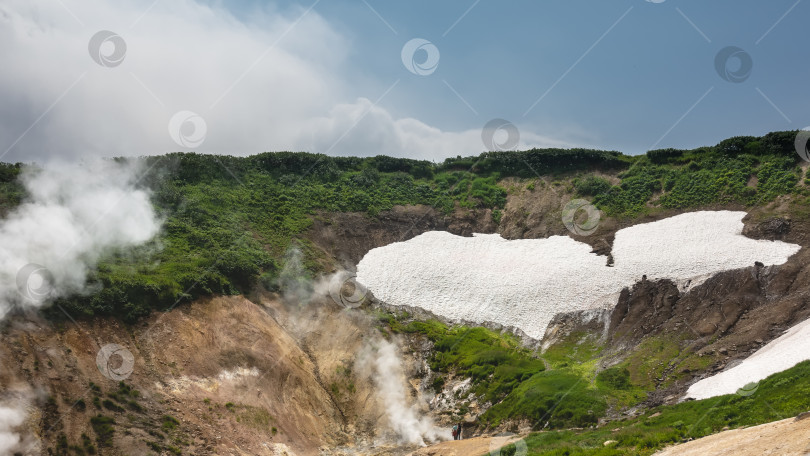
[(265, 83)]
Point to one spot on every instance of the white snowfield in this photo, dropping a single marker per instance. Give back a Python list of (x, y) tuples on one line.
[(524, 283), (780, 354)]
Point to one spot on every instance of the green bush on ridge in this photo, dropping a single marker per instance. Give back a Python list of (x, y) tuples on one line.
[(229, 220)]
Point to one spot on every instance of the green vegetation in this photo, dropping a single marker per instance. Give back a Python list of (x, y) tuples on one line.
[(780, 396), (112, 406), (169, 423), (592, 185), (125, 395), (103, 427), (64, 449), (87, 444), (557, 399), (742, 170), (228, 221), (343, 386), (495, 362), (158, 448), (563, 388), (516, 380), (11, 190)]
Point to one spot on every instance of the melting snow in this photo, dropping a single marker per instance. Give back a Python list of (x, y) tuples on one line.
[(524, 283), (778, 355)]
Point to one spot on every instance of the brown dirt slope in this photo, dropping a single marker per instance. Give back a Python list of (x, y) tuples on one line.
[(783, 438), (220, 376), (475, 446)]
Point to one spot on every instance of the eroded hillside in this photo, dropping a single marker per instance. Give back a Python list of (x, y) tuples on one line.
[(216, 373), (221, 376)]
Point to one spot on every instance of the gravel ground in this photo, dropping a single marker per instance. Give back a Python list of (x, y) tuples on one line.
[(786, 437)]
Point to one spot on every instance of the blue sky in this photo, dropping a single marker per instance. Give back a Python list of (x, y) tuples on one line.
[(328, 76), (626, 93)]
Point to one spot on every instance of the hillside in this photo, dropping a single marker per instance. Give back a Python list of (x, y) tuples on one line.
[(229, 304), (229, 221)]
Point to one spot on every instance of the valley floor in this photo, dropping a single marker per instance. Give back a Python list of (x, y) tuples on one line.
[(466, 447)]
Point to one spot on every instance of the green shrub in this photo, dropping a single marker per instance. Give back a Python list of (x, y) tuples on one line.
[(555, 398), (169, 423), (615, 377), (662, 156), (592, 185), (495, 362), (103, 427)]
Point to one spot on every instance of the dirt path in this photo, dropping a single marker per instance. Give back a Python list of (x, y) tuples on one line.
[(786, 437), (475, 446)]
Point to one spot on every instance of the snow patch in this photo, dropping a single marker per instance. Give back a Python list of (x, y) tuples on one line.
[(780, 354), (524, 283)]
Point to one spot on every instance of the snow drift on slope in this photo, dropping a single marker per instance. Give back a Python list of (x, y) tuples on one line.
[(780, 354), (524, 283)]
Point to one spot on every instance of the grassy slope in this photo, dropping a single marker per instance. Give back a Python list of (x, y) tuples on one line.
[(780, 396), (567, 398), (557, 389), (229, 220)]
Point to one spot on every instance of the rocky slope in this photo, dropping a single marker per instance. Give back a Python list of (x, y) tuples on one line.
[(221, 376), (234, 376)]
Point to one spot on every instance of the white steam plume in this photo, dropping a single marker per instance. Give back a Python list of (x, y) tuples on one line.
[(381, 360), (10, 418), (73, 215)]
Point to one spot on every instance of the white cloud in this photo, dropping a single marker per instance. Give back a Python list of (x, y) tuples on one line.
[(373, 130), (271, 83)]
